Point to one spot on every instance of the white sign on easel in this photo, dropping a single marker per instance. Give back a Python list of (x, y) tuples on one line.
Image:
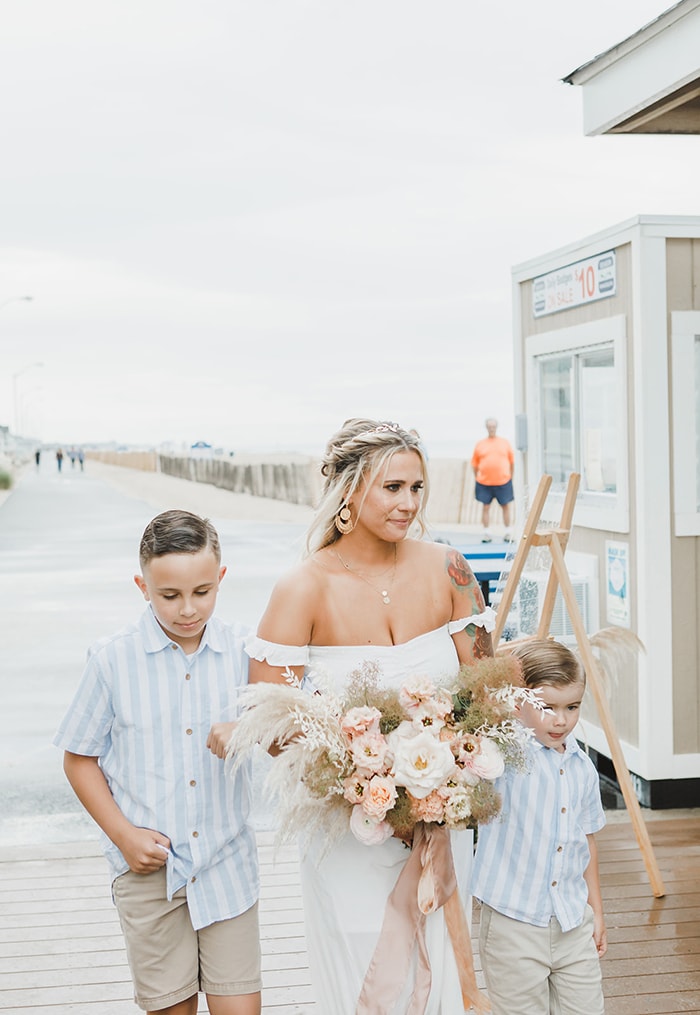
[(617, 583)]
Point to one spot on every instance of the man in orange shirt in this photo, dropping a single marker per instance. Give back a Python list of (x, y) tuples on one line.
[(493, 462)]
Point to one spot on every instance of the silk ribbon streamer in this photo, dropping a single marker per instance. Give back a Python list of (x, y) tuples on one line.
[(427, 883)]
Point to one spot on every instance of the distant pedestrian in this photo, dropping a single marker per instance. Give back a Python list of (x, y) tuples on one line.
[(72, 454), (145, 741), (493, 462), (59, 458), (81, 459), (37, 457)]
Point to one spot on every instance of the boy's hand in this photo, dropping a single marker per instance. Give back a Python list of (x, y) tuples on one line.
[(600, 934), (144, 849), (219, 736)]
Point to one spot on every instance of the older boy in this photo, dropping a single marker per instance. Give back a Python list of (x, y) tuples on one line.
[(542, 929), (176, 833)]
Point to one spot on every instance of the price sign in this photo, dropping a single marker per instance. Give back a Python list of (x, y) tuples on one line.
[(581, 282)]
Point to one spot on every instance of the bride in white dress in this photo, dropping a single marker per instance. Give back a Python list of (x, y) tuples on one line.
[(366, 591)]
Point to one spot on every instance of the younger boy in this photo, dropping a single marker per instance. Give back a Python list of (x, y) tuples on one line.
[(536, 867), (176, 835)]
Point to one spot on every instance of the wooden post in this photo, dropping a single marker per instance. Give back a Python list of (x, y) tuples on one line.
[(556, 540), (518, 564), (597, 689), (563, 533)]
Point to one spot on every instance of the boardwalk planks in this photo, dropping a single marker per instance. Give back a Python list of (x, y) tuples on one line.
[(61, 950)]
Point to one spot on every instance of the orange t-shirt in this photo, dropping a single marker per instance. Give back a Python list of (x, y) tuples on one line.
[(492, 461)]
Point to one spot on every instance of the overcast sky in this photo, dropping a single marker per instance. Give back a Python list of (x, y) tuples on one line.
[(243, 222)]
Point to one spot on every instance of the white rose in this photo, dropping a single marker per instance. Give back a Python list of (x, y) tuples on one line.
[(369, 831), (458, 806), (422, 763)]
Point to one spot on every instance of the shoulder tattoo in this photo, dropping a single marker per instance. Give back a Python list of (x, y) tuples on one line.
[(461, 575)]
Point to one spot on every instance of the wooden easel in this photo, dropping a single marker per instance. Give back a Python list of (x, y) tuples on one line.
[(556, 540)]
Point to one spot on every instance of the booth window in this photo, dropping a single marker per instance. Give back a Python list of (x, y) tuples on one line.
[(578, 417), (685, 344), (577, 401)]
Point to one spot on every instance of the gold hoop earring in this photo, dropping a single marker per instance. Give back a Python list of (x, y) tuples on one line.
[(343, 521)]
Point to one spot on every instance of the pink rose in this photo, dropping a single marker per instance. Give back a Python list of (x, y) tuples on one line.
[(379, 796), (440, 705), (450, 736), (363, 719), (414, 692), (354, 789), (369, 752), (425, 704), (368, 831), (427, 717), (484, 760)]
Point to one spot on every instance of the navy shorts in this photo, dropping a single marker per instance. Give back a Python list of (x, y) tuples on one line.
[(503, 494)]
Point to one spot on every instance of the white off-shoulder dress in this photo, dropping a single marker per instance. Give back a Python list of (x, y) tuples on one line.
[(345, 892)]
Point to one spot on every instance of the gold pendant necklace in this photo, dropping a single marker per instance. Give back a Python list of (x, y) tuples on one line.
[(384, 593)]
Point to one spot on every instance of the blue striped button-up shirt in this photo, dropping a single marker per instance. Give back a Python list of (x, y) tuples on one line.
[(530, 860), (144, 708)]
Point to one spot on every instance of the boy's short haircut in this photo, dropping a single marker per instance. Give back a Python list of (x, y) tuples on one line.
[(178, 532), (545, 661)]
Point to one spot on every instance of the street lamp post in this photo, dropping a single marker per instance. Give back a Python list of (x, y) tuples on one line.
[(15, 376)]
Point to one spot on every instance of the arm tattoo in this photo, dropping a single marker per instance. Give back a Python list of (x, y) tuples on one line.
[(483, 646), (462, 577)]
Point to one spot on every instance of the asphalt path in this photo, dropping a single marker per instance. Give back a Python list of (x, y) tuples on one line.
[(68, 554)]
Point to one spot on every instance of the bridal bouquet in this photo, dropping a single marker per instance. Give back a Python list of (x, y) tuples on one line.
[(379, 760)]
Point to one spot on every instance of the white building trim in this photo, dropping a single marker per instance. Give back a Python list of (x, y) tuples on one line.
[(646, 70), (653, 515), (685, 333)]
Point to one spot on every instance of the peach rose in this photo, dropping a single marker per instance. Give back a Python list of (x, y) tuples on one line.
[(379, 796), (363, 719)]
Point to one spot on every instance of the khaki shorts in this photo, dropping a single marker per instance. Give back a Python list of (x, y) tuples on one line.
[(540, 969), (169, 960)]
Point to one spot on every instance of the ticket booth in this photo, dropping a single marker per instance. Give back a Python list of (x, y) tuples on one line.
[(607, 354)]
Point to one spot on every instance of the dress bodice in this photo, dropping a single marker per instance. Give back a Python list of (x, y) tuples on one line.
[(432, 654)]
